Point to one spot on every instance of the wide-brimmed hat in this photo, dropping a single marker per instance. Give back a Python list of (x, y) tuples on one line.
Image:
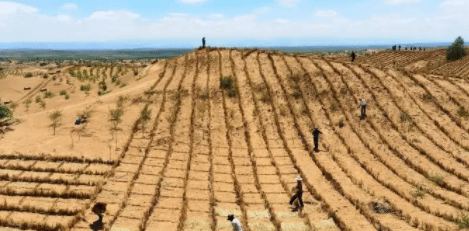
[(298, 178)]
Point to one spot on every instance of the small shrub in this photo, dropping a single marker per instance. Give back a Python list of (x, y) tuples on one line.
[(227, 83), (71, 72), (114, 78), (123, 85), (405, 117), (463, 221), (86, 87), (67, 96), (42, 104), (427, 97), (462, 112), (27, 103), (28, 75), (48, 94), (38, 99), (419, 192), (63, 92), (232, 92), (121, 100), (45, 76), (334, 106), (103, 86), (436, 179), (296, 94)]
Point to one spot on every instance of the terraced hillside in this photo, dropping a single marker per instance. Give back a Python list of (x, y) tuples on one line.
[(231, 130)]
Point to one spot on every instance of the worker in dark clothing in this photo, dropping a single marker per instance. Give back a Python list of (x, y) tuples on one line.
[(353, 56), (362, 105), (203, 42), (316, 134), (299, 193)]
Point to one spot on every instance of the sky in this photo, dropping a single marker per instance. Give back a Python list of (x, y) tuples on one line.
[(182, 23)]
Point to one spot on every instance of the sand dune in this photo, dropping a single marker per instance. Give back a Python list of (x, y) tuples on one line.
[(212, 149)]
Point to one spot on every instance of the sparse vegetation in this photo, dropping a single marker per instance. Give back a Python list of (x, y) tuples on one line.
[(419, 192), (42, 104), (463, 221), (405, 117), (228, 84), (48, 94), (38, 99), (28, 75), (86, 87), (334, 106), (437, 179), (427, 97), (27, 103), (462, 112)]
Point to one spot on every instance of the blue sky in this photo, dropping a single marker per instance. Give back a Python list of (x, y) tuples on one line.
[(181, 23)]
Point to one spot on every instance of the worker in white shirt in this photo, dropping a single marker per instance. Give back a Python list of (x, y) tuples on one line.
[(362, 106), (235, 223)]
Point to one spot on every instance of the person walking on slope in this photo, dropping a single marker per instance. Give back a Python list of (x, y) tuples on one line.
[(299, 193), (362, 106), (203, 42), (316, 134), (353, 56), (235, 223)]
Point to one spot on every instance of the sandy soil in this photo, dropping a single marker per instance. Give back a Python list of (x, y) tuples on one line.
[(207, 151)]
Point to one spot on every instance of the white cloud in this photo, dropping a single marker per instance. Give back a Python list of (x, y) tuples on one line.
[(215, 16), (111, 15), (13, 7), (288, 3), (178, 14), (326, 13), (279, 20), (69, 6), (399, 2), (192, 1)]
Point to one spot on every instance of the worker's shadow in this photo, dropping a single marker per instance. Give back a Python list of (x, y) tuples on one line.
[(97, 225)]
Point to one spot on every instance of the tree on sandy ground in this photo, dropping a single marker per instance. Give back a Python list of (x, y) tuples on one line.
[(456, 50), (145, 116), (56, 119), (115, 117)]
